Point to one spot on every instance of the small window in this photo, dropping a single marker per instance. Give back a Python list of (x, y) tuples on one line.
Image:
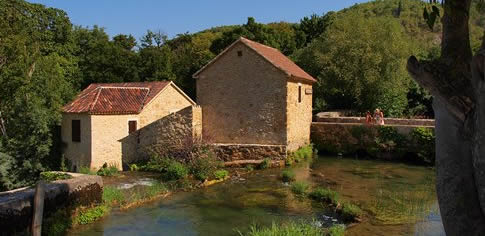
[(299, 94), (76, 131), (131, 126), (239, 53)]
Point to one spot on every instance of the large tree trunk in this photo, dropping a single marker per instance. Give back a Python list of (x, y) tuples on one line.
[(457, 83)]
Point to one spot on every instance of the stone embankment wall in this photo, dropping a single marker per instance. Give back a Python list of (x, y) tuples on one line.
[(235, 152), (16, 206), (387, 121), (385, 142)]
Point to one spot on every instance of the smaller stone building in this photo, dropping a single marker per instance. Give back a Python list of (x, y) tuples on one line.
[(116, 123), (254, 95)]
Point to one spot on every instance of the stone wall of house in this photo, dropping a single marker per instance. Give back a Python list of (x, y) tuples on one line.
[(172, 134), (299, 115), (243, 99), (352, 138), (77, 153), (16, 206), (235, 152)]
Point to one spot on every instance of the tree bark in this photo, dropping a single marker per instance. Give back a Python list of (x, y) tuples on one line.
[(457, 82)]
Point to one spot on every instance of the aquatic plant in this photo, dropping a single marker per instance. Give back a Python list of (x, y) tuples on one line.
[(265, 164), (288, 176), (289, 229), (303, 153), (91, 214), (350, 212), (221, 174), (53, 176), (325, 195), (299, 188), (112, 195), (249, 167)]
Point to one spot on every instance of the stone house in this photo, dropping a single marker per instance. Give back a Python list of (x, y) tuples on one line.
[(107, 123), (253, 95)]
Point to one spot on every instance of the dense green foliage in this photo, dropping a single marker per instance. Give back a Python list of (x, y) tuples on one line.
[(423, 140), (303, 153), (204, 168), (221, 174), (108, 170), (358, 55), (53, 176)]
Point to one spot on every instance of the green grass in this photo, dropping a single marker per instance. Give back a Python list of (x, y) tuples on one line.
[(288, 176), (112, 195), (108, 170), (289, 229), (303, 153), (53, 176), (335, 230), (87, 171), (91, 215), (325, 195), (221, 174), (350, 212), (299, 188)]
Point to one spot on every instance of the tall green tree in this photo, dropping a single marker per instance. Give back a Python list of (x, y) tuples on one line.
[(359, 68)]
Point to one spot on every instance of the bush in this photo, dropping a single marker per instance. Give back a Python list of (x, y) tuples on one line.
[(221, 174), (106, 170), (288, 176), (134, 167), (265, 164), (423, 140), (175, 170), (204, 167), (350, 212), (299, 188), (53, 176), (325, 195)]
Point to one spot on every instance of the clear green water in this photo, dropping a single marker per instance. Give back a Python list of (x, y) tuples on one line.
[(398, 199)]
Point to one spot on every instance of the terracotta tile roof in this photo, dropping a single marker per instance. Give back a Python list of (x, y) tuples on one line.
[(274, 56), (115, 98)]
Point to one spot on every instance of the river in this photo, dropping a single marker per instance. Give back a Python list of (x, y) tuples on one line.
[(398, 199)]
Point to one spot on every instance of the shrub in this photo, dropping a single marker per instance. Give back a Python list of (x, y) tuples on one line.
[(156, 164), (325, 195), (288, 176), (350, 212), (289, 229), (203, 168), (265, 164), (53, 176), (90, 215), (175, 170), (299, 188), (106, 170), (112, 195), (423, 140), (221, 174), (86, 170), (134, 167)]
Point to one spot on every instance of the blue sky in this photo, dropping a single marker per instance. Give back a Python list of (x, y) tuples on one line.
[(173, 17)]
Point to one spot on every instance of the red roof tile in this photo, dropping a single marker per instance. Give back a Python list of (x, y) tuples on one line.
[(274, 56), (115, 98)]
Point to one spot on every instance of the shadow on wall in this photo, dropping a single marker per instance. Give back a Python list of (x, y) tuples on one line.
[(172, 133)]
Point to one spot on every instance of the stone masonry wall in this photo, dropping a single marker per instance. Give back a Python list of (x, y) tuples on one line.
[(243, 99), (234, 152), (387, 121), (299, 115), (171, 134), (78, 153), (16, 206)]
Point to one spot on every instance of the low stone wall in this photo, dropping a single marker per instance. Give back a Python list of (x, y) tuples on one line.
[(234, 152), (385, 142), (387, 121), (16, 206)]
